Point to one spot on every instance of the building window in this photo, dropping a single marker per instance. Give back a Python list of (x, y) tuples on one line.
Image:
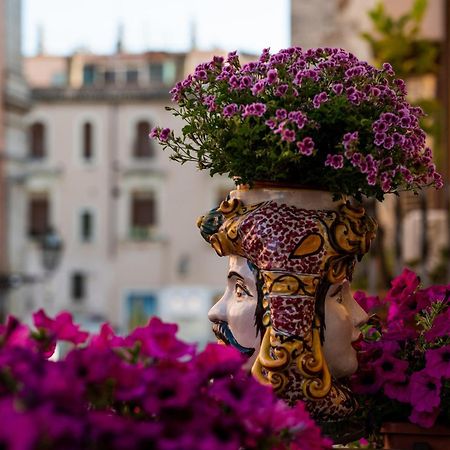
[(78, 286), (37, 140), (88, 74), (143, 215), (110, 77), (132, 76), (86, 226), (143, 147), (156, 73), (38, 215), (140, 308), (88, 150)]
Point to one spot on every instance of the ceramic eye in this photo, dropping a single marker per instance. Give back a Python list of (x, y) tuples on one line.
[(240, 290)]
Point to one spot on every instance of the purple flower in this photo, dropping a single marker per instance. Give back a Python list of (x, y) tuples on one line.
[(246, 82), (265, 55), (230, 110), (272, 76), (19, 430), (306, 146), (406, 174), (288, 135), (366, 303), (61, 327), (366, 381), (281, 90), (398, 390), (232, 57), (424, 419), (388, 69), (164, 134), (298, 118), (401, 85), (334, 161), (386, 181), (158, 340), (233, 82), (319, 99), (375, 91), (254, 109), (389, 368), (349, 139), (210, 102), (337, 88), (438, 180), (379, 126), (402, 288), (438, 360), (405, 122), (388, 143), (201, 74), (281, 114), (298, 78), (258, 87), (154, 133), (271, 124), (379, 138), (425, 391)]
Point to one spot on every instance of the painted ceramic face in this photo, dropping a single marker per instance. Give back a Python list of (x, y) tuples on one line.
[(233, 316), (343, 318), (234, 319)]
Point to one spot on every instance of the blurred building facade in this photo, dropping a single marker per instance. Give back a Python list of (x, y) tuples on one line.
[(126, 213), (14, 104)]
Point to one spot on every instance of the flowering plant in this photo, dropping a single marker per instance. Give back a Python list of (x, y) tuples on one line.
[(319, 118), (145, 390), (404, 371)]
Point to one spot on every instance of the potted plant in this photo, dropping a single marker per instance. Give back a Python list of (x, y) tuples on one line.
[(145, 390), (319, 118), (404, 367)]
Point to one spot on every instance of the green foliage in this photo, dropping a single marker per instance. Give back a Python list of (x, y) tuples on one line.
[(398, 41)]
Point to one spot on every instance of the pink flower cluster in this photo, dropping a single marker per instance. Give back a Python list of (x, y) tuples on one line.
[(410, 362), (356, 115), (144, 390)]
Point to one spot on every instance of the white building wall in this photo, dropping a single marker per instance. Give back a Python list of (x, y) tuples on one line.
[(116, 265)]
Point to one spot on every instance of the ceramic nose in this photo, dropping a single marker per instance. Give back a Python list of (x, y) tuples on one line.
[(359, 316), (218, 311)]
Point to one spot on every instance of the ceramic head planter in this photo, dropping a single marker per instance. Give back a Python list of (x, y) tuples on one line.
[(288, 303)]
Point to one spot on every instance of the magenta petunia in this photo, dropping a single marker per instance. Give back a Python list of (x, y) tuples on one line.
[(366, 381), (367, 302), (425, 419), (425, 391), (61, 327), (398, 390), (440, 328), (390, 368), (19, 429), (159, 340), (438, 361)]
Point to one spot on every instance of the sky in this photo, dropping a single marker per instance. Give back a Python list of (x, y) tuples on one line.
[(68, 25)]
